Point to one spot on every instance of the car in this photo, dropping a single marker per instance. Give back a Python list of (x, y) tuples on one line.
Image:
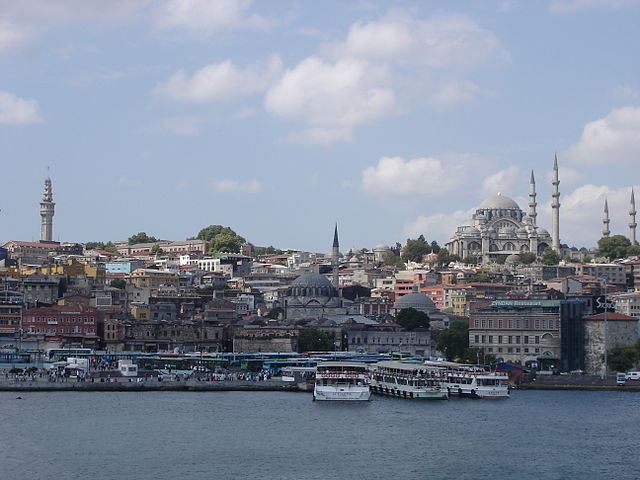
[(620, 379), (632, 376)]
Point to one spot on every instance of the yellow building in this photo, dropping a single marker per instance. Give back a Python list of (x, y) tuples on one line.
[(72, 268), (147, 277), (141, 313)]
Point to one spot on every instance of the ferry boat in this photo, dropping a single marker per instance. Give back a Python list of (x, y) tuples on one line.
[(408, 380), (474, 381), (341, 381)]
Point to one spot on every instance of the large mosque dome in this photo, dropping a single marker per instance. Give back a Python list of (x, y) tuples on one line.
[(499, 201), (416, 300), (311, 285)]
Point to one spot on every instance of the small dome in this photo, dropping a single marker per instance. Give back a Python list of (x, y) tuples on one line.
[(542, 232), (499, 201), (508, 230), (381, 247), (354, 259), (471, 231), (416, 300)]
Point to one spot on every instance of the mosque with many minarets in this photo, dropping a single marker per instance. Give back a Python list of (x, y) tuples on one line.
[(500, 227)]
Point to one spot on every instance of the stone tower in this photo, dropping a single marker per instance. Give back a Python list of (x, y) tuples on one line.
[(605, 220), (555, 207), (335, 258), (632, 219), (47, 208), (532, 200)]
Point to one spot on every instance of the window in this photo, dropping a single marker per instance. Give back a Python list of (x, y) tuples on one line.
[(490, 323), (477, 339), (517, 338), (500, 323), (526, 350), (510, 339), (537, 339), (518, 323), (483, 339), (510, 323), (490, 338), (499, 338), (484, 323), (526, 339), (537, 324)]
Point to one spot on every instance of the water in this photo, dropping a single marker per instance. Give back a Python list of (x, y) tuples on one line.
[(277, 435)]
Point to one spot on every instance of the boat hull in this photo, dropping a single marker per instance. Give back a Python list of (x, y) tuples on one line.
[(435, 394), (359, 394)]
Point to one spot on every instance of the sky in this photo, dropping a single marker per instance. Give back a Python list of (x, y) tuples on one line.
[(280, 118)]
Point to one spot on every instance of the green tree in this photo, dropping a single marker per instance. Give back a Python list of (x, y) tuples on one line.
[(156, 249), (110, 247), (623, 357), (527, 258), (141, 237), (501, 259), (275, 313), (613, 247), (453, 341), (411, 318), (479, 278), (313, 339), (443, 257), (470, 260), (221, 239), (414, 250), (435, 248), (550, 256), (633, 251), (390, 258), (118, 283)]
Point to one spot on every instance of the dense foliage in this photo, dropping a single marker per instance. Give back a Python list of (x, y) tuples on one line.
[(622, 358), (312, 339), (527, 258), (390, 258), (617, 246), (454, 341), (411, 318), (107, 247), (415, 249), (141, 237), (550, 256), (221, 239)]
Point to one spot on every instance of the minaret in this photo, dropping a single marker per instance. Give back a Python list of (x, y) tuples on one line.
[(532, 199), (632, 219), (555, 208), (605, 220), (335, 258), (47, 208)]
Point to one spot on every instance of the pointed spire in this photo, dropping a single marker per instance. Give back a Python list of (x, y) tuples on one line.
[(532, 180), (632, 219), (555, 206), (555, 162), (605, 220), (532, 199), (335, 237)]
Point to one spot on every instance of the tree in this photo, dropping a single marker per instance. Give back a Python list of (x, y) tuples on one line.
[(633, 251), (479, 278), (453, 341), (435, 248), (156, 249), (141, 237), (313, 339), (411, 318), (221, 239), (390, 258), (613, 247), (470, 260), (275, 313), (550, 257), (527, 258), (501, 259), (622, 357), (118, 283), (414, 250), (443, 257)]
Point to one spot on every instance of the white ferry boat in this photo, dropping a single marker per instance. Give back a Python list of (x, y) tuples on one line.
[(474, 381), (341, 381), (408, 380)]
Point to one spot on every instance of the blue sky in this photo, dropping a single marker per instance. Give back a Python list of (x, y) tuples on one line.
[(279, 118)]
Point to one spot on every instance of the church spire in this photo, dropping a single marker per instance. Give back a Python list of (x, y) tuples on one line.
[(532, 199), (605, 220), (632, 219), (555, 207)]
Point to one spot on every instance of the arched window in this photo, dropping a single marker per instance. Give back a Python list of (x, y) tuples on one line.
[(509, 246)]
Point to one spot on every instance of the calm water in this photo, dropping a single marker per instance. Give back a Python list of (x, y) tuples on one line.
[(268, 435)]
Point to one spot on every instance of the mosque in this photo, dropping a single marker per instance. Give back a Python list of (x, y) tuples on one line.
[(500, 227)]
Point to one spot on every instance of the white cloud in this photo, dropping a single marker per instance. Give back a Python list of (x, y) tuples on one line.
[(221, 81), (440, 226), (569, 6), (234, 186), (581, 213), (206, 17), (611, 139), (504, 181), (419, 176), (18, 111), (442, 41), (332, 98), (320, 136)]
